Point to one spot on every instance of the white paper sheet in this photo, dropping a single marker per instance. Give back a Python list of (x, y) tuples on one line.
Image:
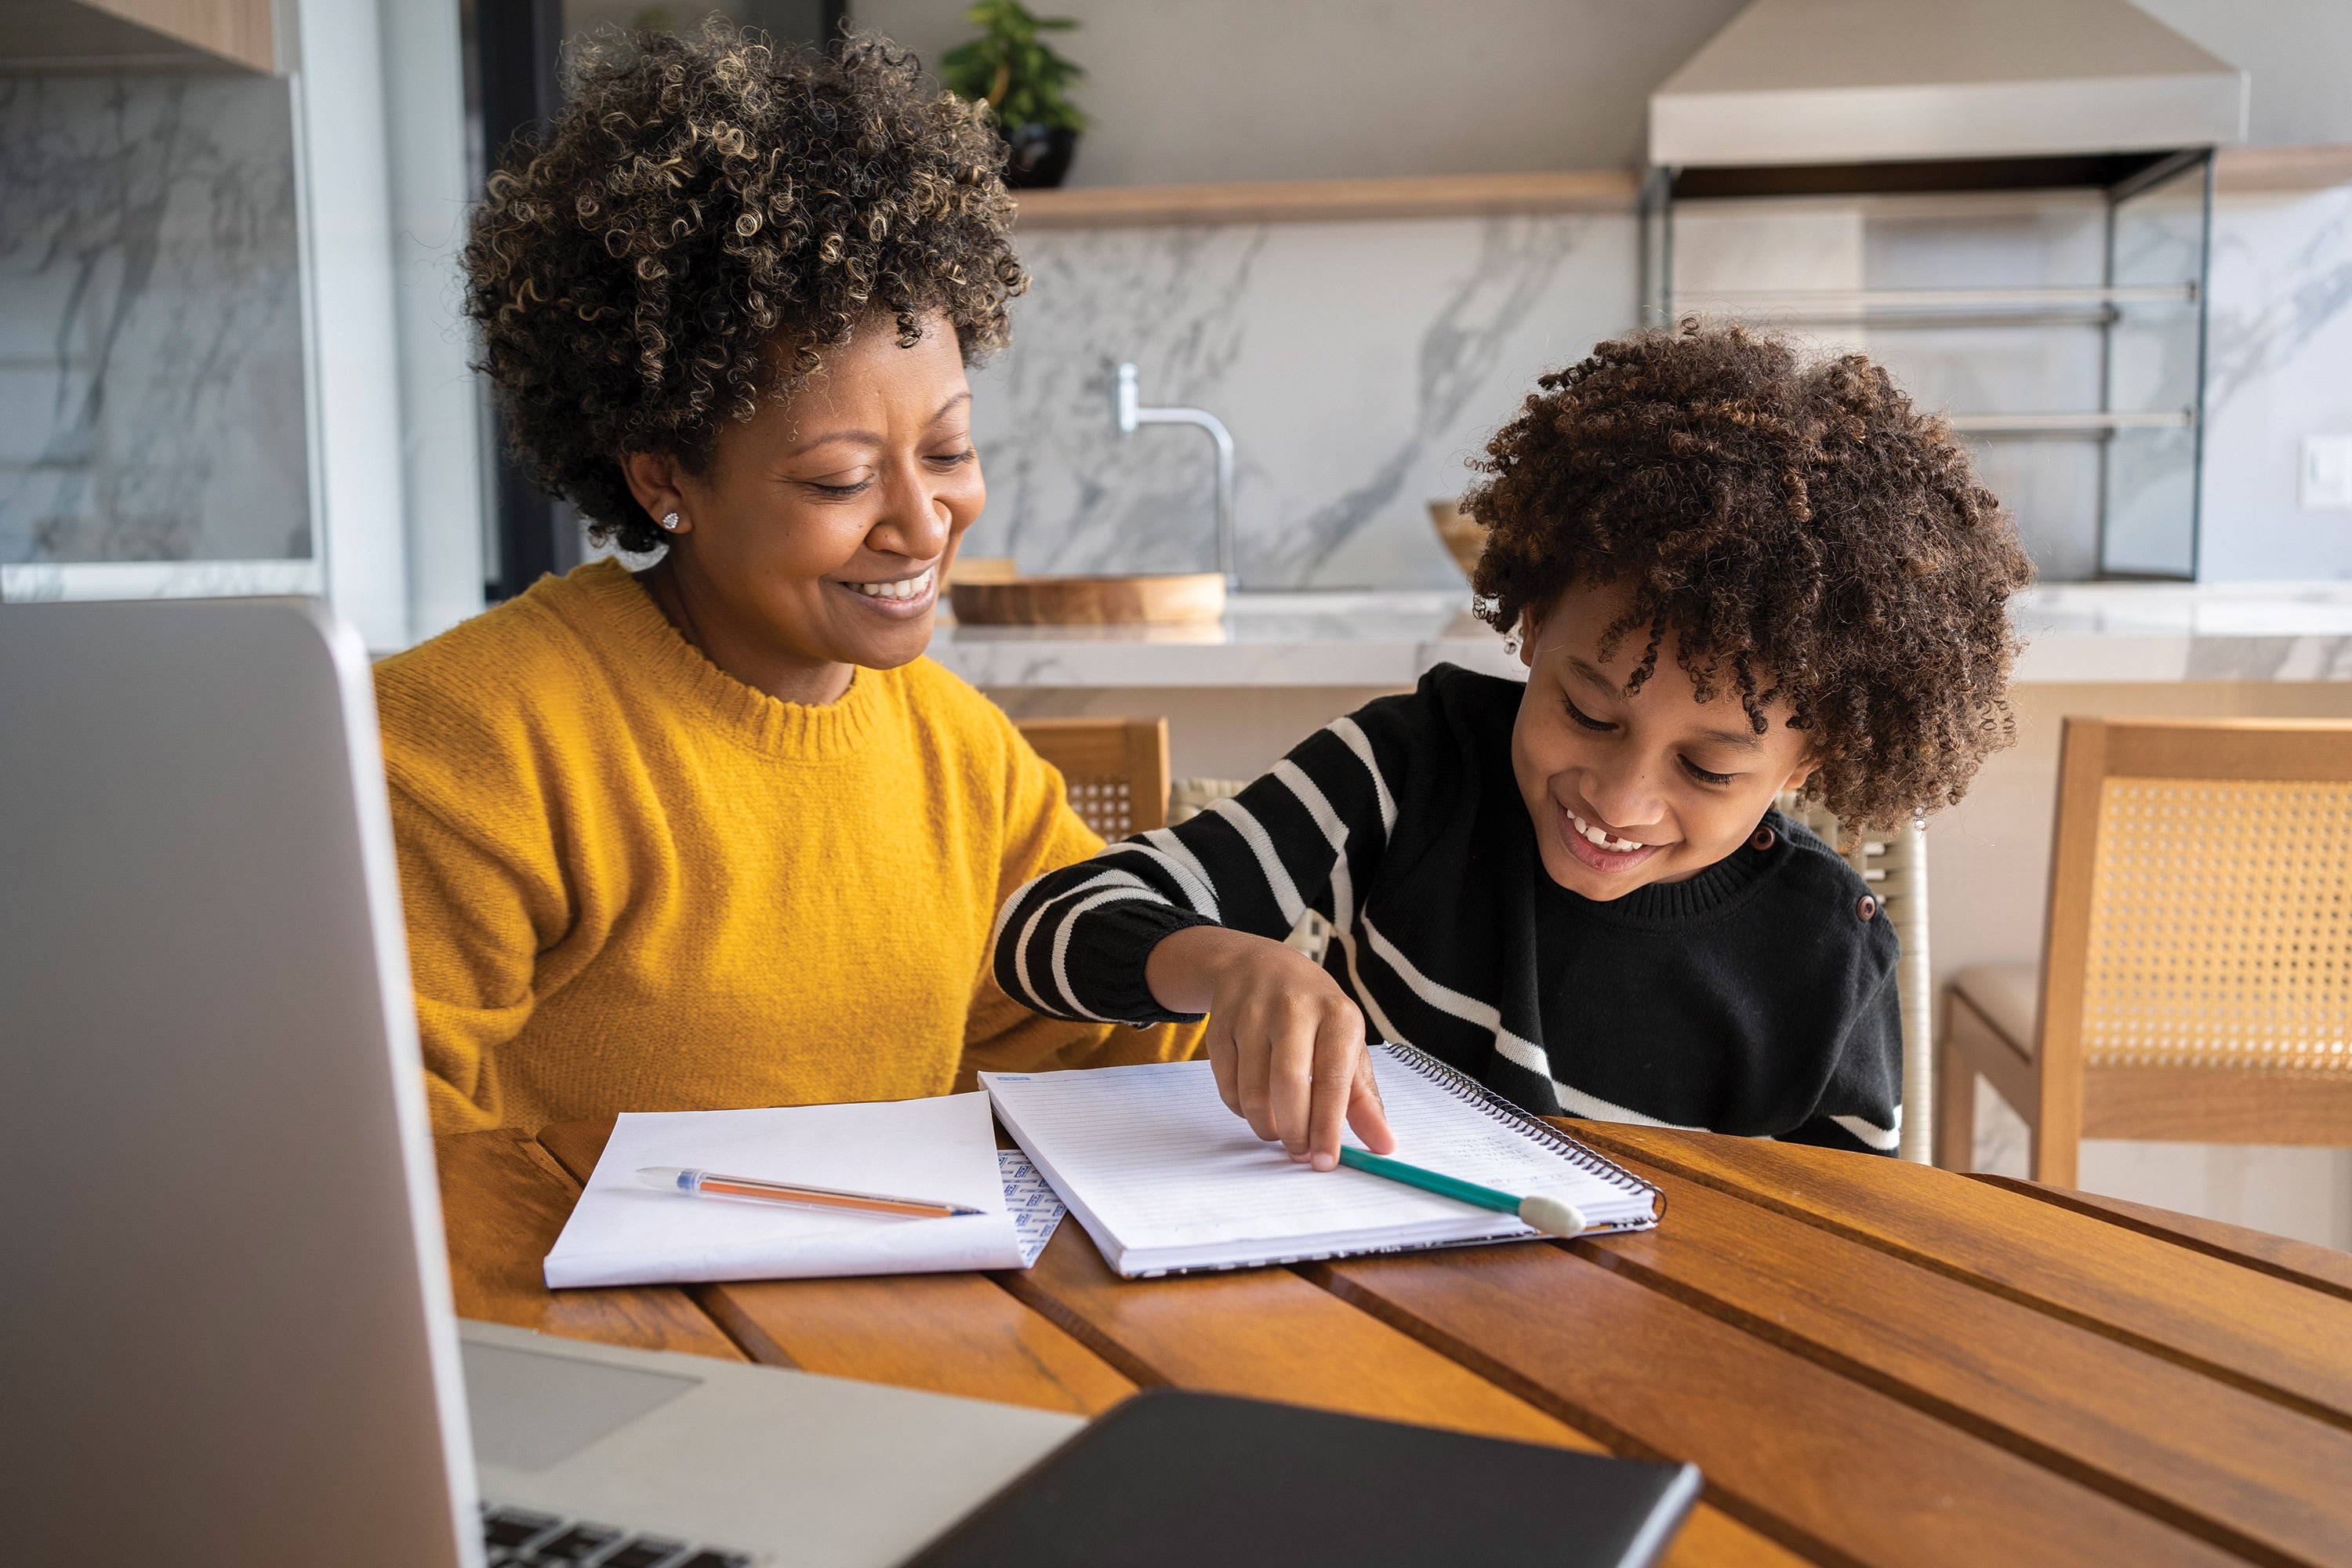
[(624, 1233)]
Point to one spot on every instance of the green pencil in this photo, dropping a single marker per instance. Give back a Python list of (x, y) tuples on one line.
[(1554, 1216)]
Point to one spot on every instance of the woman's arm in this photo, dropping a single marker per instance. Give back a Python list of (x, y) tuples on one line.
[(473, 946)]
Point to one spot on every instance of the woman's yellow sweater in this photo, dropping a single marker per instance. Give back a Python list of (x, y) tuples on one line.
[(633, 883)]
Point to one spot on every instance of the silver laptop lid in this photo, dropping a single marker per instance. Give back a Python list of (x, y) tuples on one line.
[(225, 1324)]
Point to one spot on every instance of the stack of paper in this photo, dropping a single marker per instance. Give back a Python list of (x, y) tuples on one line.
[(625, 1233)]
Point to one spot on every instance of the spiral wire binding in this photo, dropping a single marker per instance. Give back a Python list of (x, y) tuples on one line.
[(1462, 1087)]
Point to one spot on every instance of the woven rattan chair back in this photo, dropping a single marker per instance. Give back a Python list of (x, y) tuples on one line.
[(2197, 968), (1187, 798), (1114, 771), (2218, 932)]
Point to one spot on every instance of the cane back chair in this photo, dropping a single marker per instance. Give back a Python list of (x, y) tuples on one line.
[(1114, 771), (2196, 979)]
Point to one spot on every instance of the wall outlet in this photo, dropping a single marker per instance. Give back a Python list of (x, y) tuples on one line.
[(2327, 473)]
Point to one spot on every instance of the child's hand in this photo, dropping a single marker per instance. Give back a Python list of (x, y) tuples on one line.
[(1286, 1045)]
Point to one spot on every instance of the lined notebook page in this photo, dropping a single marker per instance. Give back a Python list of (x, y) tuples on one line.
[(1150, 1160), (1436, 1130)]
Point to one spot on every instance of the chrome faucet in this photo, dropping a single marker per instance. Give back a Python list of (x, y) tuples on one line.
[(1131, 413)]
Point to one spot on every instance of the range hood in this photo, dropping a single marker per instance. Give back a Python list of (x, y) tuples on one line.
[(1890, 82)]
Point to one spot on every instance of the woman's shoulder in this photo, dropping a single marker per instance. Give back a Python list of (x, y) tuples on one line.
[(544, 630), (506, 657), (476, 701), (944, 703), (953, 719)]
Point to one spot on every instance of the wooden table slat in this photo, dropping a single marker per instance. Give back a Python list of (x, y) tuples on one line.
[(1269, 1334), (1835, 1468), (577, 1145), (2302, 1262), (2277, 1338), (503, 1201), (951, 1333), (2223, 1463), (948, 1333)]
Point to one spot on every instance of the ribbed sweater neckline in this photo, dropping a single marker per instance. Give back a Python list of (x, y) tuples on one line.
[(614, 608), (1695, 898)]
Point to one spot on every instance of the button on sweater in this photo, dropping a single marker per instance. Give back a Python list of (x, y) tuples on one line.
[(1757, 997), (634, 883)]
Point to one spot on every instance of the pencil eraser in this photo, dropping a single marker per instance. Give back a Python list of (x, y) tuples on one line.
[(1553, 1217)]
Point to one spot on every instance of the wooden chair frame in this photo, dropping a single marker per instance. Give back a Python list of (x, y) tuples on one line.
[(1097, 750), (2062, 1097)]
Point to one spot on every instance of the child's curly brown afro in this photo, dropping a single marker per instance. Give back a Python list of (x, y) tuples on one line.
[(705, 218), (1807, 534)]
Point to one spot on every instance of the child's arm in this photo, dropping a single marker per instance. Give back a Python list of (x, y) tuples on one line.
[(1042, 834), (1182, 921), (1860, 1107)]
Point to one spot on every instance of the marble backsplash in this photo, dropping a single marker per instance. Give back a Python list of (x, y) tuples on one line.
[(2278, 368), (1359, 366), (152, 403), (1362, 365)]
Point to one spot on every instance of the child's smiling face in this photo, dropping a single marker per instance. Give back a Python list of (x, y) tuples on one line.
[(1667, 785)]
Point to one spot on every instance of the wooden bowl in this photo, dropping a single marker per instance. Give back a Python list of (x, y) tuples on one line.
[(981, 569), (1185, 597), (1463, 536)]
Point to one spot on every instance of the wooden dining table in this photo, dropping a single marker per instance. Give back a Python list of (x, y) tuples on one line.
[(1872, 1363)]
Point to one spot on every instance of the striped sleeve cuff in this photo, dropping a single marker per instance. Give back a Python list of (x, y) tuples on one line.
[(1080, 959)]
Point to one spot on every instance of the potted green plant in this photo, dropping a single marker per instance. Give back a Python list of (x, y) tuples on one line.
[(1025, 83)]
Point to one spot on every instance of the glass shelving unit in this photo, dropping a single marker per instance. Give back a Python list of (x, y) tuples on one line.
[(2059, 326)]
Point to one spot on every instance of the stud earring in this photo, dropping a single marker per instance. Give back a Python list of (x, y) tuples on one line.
[(669, 521)]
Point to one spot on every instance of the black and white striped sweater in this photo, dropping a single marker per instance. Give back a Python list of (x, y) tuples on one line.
[(1754, 998)]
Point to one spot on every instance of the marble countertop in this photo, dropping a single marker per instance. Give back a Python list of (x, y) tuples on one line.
[(2073, 632)]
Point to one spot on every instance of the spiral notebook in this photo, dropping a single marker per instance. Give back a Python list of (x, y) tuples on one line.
[(1165, 1178)]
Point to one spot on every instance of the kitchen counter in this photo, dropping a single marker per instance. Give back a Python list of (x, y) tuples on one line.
[(2075, 632)]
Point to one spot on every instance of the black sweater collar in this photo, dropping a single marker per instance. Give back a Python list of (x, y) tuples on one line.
[(1719, 886)]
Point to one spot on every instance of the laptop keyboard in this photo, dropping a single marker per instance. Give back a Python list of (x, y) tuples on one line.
[(519, 1537)]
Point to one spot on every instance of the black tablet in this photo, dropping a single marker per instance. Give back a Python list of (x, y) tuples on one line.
[(1177, 1479)]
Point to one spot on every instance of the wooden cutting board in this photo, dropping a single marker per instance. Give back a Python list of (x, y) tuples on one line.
[(1090, 601)]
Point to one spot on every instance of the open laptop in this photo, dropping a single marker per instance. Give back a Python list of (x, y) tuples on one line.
[(225, 1332)]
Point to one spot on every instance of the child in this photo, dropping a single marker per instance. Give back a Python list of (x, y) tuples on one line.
[(1729, 575)]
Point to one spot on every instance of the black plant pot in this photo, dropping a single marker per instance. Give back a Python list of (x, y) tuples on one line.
[(1041, 155)]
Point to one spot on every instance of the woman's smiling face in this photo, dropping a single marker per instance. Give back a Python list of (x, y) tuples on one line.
[(815, 538), (1627, 791)]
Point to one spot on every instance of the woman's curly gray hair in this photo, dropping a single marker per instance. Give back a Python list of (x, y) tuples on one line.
[(706, 217)]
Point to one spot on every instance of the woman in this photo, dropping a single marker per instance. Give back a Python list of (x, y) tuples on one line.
[(715, 834)]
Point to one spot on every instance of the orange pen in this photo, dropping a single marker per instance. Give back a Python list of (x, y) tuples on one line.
[(710, 1184)]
